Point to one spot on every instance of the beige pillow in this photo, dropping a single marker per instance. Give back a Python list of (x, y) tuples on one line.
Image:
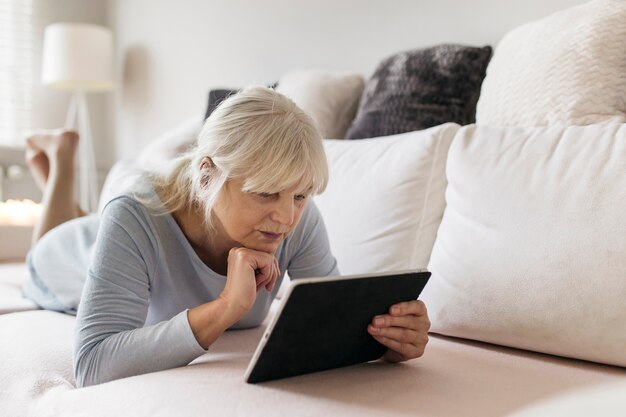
[(531, 250), (330, 98), (568, 68)]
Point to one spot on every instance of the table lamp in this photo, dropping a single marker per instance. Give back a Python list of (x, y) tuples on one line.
[(78, 57)]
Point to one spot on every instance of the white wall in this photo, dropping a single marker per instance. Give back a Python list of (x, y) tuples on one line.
[(170, 53)]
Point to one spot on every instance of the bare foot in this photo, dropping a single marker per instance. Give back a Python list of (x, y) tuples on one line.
[(46, 148)]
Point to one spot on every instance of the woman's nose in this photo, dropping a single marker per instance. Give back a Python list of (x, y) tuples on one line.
[(283, 212)]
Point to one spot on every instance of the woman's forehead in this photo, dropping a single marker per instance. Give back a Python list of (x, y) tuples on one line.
[(253, 185)]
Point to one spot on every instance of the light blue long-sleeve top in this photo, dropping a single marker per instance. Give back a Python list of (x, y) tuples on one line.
[(142, 275)]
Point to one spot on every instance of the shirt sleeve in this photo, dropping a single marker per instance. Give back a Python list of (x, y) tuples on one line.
[(312, 254), (111, 342)]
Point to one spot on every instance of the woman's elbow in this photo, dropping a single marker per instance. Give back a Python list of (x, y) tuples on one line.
[(86, 370), (81, 374)]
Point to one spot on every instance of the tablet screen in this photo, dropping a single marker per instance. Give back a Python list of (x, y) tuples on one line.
[(322, 323)]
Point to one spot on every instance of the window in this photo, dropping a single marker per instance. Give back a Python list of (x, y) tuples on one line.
[(16, 69)]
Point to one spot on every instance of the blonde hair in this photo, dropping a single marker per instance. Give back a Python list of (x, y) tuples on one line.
[(257, 135)]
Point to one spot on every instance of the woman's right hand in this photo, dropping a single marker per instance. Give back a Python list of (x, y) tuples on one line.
[(249, 271)]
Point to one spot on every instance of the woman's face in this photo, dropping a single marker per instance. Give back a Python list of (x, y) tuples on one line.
[(256, 220)]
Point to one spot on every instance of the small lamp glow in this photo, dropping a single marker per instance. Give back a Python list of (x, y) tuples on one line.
[(79, 57)]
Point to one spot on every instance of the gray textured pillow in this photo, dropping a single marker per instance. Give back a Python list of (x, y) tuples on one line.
[(422, 88)]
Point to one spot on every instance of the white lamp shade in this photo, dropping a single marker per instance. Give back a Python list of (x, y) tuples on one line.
[(77, 56)]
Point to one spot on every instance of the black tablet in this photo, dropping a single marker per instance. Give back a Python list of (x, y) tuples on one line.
[(322, 323)]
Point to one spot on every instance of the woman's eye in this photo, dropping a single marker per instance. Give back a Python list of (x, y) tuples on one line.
[(268, 196)]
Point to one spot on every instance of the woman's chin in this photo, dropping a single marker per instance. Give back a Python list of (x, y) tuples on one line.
[(267, 247)]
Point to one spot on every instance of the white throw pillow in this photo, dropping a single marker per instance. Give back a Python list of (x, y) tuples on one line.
[(531, 251), (330, 98), (568, 68), (385, 199)]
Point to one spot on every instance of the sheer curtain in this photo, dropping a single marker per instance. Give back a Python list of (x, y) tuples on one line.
[(16, 69)]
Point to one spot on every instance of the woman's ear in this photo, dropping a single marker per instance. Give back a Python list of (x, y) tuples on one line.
[(207, 168), (206, 163)]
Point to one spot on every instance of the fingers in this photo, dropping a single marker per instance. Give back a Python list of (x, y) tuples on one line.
[(414, 307), (412, 315), (268, 274), (404, 330), (406, 343), (248, 272), (401, 334), (401, 351), (264, 270), (419, 323), (412, 332), (244, 263), (263, 275), (270, 285)]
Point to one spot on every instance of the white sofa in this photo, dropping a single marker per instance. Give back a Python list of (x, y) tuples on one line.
[(523, 229), (524, 233)]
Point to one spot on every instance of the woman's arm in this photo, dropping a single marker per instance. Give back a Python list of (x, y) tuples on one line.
[(111, 341), (249, 271)]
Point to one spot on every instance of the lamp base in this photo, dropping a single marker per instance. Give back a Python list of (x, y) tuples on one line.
[(87, 175)]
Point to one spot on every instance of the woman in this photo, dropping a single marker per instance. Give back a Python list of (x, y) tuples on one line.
[(193, 252)]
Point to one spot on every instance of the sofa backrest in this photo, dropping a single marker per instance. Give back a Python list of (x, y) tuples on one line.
[(531, 251)]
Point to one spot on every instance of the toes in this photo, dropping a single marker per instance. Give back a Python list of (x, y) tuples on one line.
[(68, 134)]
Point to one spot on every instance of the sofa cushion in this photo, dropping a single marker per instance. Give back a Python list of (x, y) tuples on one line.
[(385, 199), (531, 249), (36, 352), (330, 98), (422, 88), (37, 380), (567, 68), (607, 400), (12, 277)]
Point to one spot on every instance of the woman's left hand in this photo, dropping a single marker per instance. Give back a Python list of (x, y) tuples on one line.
[(404, 331)]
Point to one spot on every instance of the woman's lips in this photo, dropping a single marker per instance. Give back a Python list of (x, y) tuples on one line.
[(271, 236)]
